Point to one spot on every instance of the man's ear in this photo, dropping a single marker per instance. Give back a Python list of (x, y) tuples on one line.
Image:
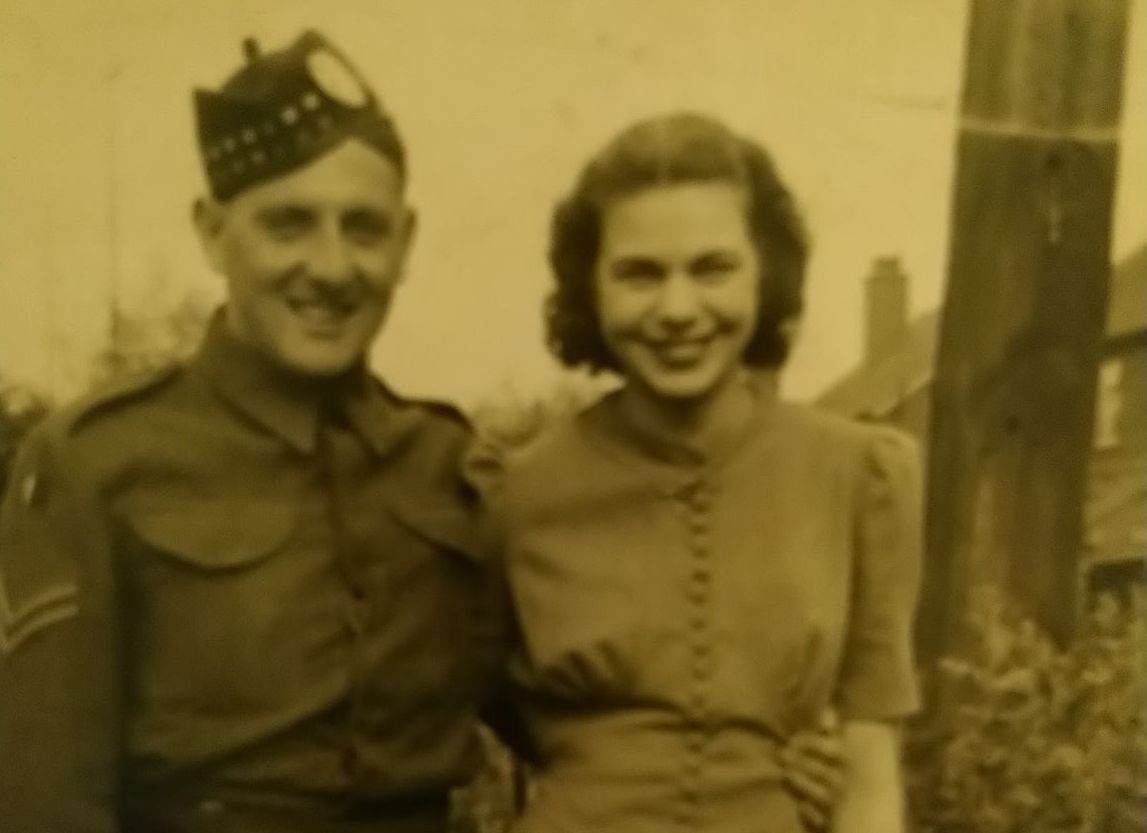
[(208, 217), (408, 232)]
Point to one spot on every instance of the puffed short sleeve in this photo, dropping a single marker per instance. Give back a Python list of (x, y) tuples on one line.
[(483, 465), (484, 469), (878, 678)]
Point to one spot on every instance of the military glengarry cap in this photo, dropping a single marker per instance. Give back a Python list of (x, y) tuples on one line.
[(283, 110)]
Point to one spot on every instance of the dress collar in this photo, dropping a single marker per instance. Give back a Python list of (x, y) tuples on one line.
[(609, 421)]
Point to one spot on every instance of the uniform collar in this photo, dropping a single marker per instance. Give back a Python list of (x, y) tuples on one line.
[(377, 414), (288, 404)]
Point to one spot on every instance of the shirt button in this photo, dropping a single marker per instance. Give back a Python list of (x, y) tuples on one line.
[(211, 807), (354, 620), (702, 661)]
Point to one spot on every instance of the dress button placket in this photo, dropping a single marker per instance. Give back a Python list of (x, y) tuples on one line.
[(699, 596)]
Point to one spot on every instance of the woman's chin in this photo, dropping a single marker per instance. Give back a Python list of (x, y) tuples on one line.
[(678, 390)]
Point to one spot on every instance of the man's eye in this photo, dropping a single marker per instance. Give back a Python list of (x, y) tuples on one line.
[(286, 223), (367, 227)]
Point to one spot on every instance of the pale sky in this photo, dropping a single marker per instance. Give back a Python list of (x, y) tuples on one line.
[(500, 102)]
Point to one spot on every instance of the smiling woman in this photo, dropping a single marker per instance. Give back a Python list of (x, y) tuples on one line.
[(688, 152), (677, 287), (700, 570)]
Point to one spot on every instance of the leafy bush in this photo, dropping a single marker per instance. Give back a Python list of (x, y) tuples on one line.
[(144, 341), (141, 342), (1038, 739), (510, 420)]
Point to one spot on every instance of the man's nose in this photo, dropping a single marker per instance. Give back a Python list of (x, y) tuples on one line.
[(330, 258)]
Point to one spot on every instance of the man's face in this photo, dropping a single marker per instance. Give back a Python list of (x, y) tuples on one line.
[(311, 259)]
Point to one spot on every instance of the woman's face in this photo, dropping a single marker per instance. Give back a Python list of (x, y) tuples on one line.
[(678, 280)]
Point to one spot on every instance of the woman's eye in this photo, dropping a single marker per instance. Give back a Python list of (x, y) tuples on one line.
[(715, 268), (637, 272)]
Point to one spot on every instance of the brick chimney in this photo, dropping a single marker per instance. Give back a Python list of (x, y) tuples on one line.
[(886, 301)]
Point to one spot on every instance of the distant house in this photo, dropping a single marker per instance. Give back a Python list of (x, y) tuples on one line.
[(893, 384)]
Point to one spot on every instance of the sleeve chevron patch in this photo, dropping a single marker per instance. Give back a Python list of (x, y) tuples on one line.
[(57, 604)]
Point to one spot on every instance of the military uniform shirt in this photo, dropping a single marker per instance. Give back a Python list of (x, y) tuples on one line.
[(228, 606)]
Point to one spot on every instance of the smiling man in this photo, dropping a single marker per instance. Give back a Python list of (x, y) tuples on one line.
[(248, 593)]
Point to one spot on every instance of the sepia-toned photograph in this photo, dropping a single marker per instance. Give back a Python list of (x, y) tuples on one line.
[(539, 416)]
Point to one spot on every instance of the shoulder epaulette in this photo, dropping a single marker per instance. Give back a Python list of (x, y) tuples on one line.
[(433, 406), (443, 409), (123, 389)]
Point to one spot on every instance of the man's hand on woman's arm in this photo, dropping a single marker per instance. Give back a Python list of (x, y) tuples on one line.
[(815, 771)]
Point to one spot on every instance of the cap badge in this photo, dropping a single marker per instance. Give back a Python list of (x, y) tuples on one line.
[(335, 78)]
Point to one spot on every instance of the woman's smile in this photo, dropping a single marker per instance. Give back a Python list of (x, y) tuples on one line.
[(678, 287)]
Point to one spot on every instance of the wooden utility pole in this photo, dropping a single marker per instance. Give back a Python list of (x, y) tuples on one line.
[(1023, 319)]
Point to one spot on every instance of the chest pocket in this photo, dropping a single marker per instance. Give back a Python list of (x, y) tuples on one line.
[(218, 534), (228, 603)]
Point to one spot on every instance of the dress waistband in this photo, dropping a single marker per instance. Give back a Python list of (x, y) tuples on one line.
[(614, 740)]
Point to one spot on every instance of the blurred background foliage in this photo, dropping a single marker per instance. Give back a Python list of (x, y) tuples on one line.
[(1040, 738)]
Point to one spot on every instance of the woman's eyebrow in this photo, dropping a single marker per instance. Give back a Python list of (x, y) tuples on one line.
[(630, 264), (719, 256)]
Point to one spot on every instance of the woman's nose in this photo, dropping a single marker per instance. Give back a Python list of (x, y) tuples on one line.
[(678, 301)]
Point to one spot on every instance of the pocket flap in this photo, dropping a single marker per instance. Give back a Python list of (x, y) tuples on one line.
[(216, 534), (450, 525)]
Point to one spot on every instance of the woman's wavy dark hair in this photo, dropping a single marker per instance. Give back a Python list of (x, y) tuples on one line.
[(668, 150)]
